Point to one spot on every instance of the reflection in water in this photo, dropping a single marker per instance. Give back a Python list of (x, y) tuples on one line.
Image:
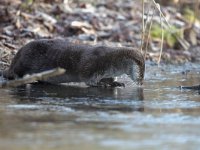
[(88, 98)]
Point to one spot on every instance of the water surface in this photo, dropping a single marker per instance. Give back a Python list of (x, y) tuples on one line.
[(156, 116)]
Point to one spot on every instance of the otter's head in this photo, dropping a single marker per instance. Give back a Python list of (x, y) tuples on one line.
[(137, 69), (137, 74)]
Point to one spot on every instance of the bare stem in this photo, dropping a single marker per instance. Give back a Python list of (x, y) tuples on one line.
[(149, 32), (183, 42), (162, 37), (142, 35)]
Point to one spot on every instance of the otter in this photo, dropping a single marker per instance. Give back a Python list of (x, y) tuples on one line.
[(94, 65)]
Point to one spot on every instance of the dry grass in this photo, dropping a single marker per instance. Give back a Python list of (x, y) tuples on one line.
[(163, 22)]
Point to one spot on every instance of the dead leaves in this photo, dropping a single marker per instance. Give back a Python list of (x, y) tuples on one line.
[(113, 22)]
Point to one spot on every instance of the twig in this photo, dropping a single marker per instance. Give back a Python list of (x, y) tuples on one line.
[(196, 10), (147, 18), (9, 45), (183, 42), (5, 37), (149, 33), (142, 36), (4, 63), (42, 76), (162, 37)]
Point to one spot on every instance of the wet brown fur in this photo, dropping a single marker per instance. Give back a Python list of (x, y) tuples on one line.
[(81, 62)]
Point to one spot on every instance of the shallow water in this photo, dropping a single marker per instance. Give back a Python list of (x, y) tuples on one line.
[(156, 116)]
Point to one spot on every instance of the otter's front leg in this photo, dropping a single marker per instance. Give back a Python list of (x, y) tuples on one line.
[(110, 82)]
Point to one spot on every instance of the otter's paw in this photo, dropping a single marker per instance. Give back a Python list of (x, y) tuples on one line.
[(102, 84), (117, 84), (109, 82)]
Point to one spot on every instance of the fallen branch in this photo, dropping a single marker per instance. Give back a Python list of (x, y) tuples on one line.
[(42, 76), (195, 87)]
